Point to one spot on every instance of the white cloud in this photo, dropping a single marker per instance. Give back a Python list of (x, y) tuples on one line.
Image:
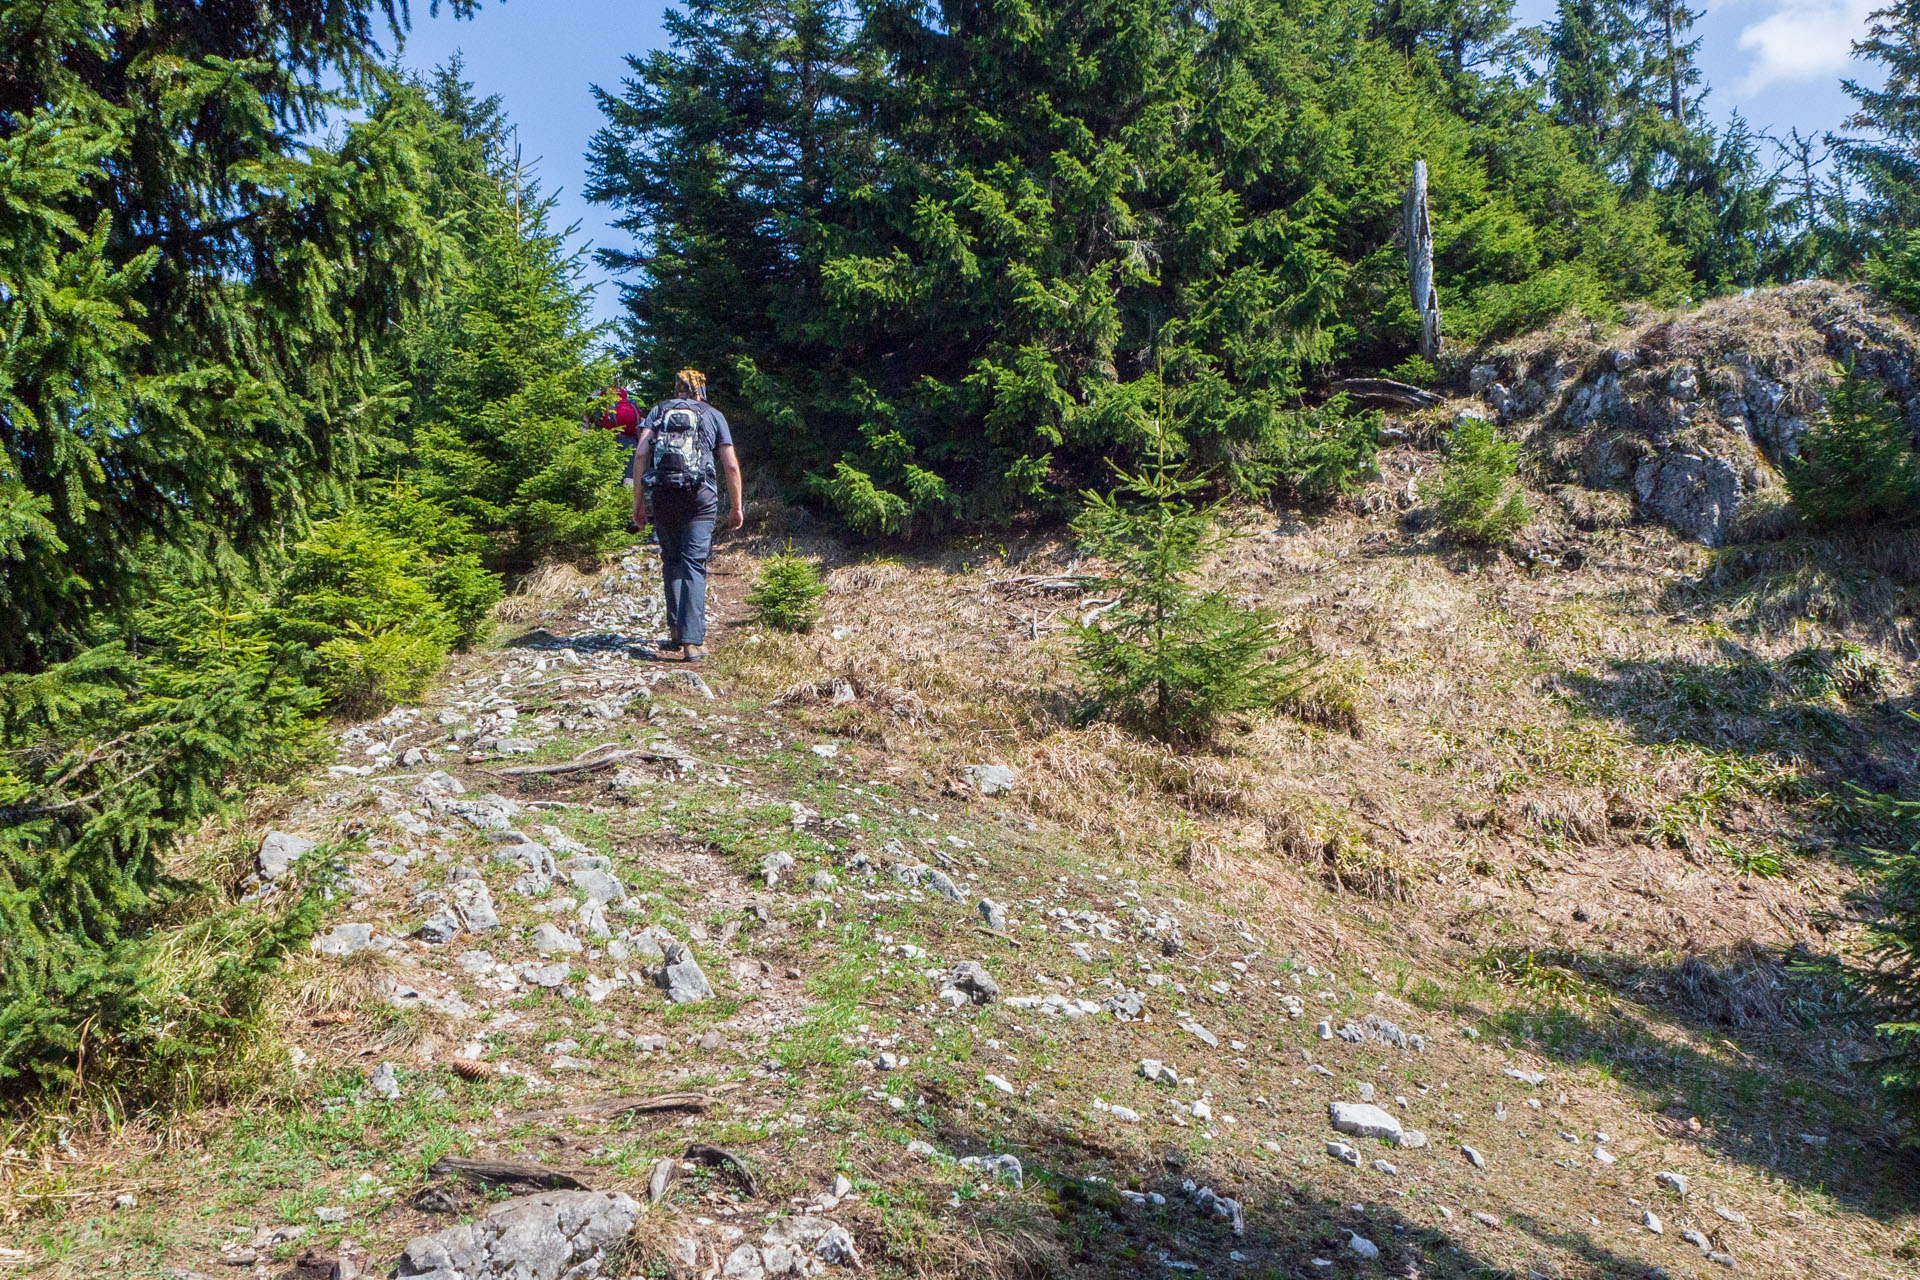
[(1802, 40)]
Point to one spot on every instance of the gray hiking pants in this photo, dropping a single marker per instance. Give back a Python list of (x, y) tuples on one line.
[(686, 540)]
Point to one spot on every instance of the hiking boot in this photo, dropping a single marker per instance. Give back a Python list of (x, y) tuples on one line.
[(692, 652)]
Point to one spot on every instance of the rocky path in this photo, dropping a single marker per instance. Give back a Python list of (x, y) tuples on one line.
[(629, 975)]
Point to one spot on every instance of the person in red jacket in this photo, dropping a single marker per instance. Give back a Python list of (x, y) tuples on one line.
[(623, 417)]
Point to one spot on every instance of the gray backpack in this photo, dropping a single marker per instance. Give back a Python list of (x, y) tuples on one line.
[(682, 458)]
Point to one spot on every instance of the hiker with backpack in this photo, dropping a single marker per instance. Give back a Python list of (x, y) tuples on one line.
[(686, 448)]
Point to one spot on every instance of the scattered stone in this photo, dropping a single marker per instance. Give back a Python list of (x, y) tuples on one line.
[(1724, 1259), (1474, 1158), (343, 940), (993, 913), (440, 927), (1361, 1245), (990, 779), (1207, 1200), (1410, 1138), (1382, 1166), (842, 1187), (549, 939), (1323, 1029), (1534, 1078), (1000, 1168), (483, 813), (774, 866), (1730, 1215), (383, 1082), (475, 903), (592, 876), (1344, 1153), (1200, 1033), (1158, 1072), (279, 851), (999, 1082), (330, 1213), (1128, 1006), (1674, 1182), (546, 975), (970, 982), (1363, 1120), (942, 883), (821, 880), (543, 1237), (744, 1264), (1486, 1219), (786, 1244), (1125, 1115), (1602, 1156), (1697, 1240), (1651, 1221), (682, 978)]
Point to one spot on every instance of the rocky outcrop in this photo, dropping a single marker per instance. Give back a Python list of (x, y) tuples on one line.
[(543, 1237), (1694, 415)]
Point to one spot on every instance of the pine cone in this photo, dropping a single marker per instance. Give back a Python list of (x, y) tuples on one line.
[(472, 1069)]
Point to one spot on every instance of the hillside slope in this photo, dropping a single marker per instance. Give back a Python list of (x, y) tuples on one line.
[(1528, 871)]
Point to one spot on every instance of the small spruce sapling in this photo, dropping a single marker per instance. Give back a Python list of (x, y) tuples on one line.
[(1889, 980), (1477, 496), (1857, 462), (1171, 657), (786, 593)]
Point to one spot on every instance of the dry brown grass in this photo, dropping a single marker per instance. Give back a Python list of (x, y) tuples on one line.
[(539, 591), (1473, 745)]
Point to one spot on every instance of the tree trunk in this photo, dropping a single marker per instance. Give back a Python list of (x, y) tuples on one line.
[(1420, 263)]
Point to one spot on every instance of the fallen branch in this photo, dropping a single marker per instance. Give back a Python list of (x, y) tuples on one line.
[(1386, 391), (723, 1159), (582, 764), (614, 1108), (1047, 581), (502, 1171)]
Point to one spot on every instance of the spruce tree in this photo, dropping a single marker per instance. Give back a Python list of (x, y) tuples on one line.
[(1889, 980), (1476, 496), (505, 368), (194, 297), (186, 286), (1589, 70), (1857, 461), (1172, 656), (1881, 142)]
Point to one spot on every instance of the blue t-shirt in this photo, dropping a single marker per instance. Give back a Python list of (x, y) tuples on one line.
[(713, 425)]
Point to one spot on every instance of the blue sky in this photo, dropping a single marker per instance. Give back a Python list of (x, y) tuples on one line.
[(1779, 62)]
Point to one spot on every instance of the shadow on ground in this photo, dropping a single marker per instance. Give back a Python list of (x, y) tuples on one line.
[(1766, 1057), (1094, 1229)]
